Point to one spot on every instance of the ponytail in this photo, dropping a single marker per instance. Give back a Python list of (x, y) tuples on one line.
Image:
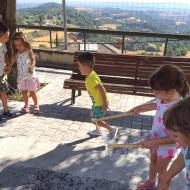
[(185, 90)]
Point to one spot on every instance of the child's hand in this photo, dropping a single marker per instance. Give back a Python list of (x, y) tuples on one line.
[(7, 70), (149, 144), (30, 69)]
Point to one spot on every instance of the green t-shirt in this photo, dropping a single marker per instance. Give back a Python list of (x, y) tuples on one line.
[(91, 81)]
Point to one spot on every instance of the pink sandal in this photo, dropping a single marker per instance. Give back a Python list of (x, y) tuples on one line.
[(36, 109), (25, 109), (146, 185)]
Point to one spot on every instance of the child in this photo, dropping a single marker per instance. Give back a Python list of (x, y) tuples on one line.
[(177, 119), (27, 80), (4, 67), (169, 84), (97, 93)]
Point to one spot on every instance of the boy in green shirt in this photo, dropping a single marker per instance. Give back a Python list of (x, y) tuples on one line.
[(97, 93)]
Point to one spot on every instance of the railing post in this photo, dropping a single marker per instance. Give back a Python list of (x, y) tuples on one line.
[(84, 41), (65, 23), (50, 38), (123, 44), (165, 47), (56, 40)]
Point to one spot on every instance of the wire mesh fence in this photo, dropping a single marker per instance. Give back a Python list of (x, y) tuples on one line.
[(152, 16)]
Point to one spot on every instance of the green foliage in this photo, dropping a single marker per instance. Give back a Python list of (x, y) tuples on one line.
[(178, 48), (151, 47), (51, 13), (54, 12), (35, 34), (42, 46)]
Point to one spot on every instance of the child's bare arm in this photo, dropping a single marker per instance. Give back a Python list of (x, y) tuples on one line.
[(175, 168), (104, 97), (143, 108), (33, 61), (8, 64), (154, 143)]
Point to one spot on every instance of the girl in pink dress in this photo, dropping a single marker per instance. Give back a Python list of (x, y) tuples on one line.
[(27, 79), (169, 85)]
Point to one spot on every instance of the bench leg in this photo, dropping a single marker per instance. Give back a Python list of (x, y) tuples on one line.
[(79, 92), (73, 97)]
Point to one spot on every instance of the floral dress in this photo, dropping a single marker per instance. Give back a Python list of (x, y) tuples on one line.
[(159, 130), (26, 80)]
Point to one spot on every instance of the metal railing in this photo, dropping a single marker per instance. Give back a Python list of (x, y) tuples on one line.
[(122, 34)]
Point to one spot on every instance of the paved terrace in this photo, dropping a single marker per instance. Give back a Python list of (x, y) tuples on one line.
[(53, 151)]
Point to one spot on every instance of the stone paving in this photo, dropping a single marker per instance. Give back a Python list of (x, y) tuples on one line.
[(52, 150)]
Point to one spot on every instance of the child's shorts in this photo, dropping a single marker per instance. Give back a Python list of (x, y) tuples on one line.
[(3, 85), (97, 112), (28, 84)]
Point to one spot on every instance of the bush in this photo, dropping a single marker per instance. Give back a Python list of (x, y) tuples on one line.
[(42, 46)]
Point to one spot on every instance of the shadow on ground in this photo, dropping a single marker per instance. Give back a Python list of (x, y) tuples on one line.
[(71, 168), (70, 112)]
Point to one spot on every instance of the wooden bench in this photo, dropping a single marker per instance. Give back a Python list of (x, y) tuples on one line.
[(125, 74)]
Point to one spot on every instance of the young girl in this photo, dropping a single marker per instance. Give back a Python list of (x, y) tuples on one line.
[(169, 84), (177, 119), (27, 80)]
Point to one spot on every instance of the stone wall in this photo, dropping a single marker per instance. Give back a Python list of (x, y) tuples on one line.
[(54, 58)]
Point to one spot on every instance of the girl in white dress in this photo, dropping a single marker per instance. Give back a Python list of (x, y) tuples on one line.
[(27, 80)]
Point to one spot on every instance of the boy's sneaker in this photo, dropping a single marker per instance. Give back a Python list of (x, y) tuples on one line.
[(8, 114), (113, 134), (94, 133)]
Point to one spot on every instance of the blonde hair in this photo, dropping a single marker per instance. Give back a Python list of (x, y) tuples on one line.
[(20, 36)]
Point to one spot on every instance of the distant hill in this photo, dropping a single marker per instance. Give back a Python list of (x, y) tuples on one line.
[(54, 11), (106, 18), (111, 19)]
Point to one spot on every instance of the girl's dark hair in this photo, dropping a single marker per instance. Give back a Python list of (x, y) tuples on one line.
[(177, 118), (169, 77), (87, 59), (20, 36), (3, 28)]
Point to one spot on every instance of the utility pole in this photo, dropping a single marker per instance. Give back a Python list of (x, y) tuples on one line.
[(64, 23)]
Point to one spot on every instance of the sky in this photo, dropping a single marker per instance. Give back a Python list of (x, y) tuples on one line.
[(187, 2)]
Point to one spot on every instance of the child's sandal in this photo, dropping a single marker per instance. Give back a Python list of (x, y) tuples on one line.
[(25, 109), (36, 109), (146, 185)]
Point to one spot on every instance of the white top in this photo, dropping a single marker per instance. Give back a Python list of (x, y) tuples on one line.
[(23, 65), (3, 51)]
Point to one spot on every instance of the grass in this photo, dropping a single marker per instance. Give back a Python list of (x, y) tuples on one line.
[(17, 96)]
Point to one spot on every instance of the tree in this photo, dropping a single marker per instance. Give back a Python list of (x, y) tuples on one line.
[(8, 15)]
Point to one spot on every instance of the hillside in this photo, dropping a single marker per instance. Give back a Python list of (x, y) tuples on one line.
[(111, 19), (120, 19), (51, 14)]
